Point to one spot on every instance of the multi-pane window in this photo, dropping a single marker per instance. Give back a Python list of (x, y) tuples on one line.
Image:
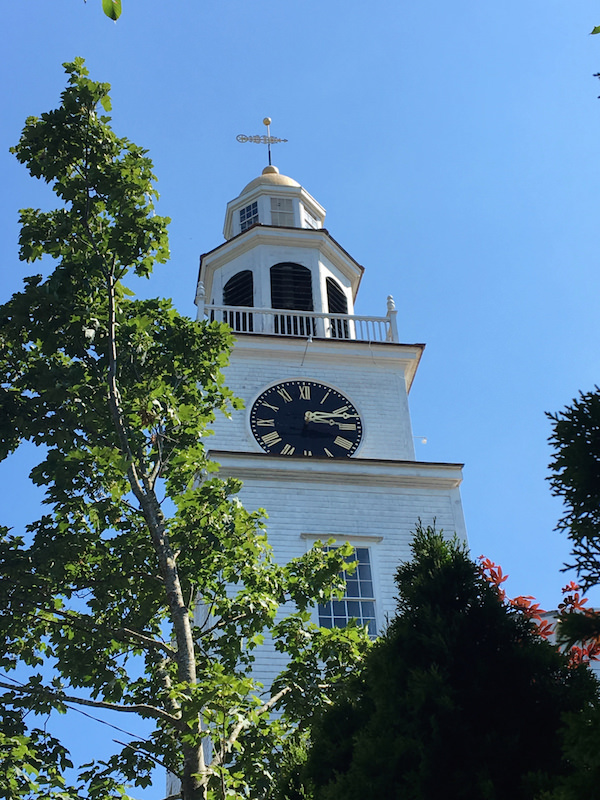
[(282, 212), (310, 221), (248, 216), (359, 600)]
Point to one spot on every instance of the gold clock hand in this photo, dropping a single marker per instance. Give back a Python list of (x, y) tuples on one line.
[(318, 416), (322, 416)]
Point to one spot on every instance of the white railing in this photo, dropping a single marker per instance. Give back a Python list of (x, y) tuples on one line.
[(245, 319)]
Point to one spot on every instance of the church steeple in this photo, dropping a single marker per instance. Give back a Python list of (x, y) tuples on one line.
[(324, 442), (278, 256)]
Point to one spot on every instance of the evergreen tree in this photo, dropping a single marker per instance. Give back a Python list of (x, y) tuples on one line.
[(459, 699)]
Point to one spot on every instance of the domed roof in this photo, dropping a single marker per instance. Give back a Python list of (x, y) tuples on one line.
[(270, 177)]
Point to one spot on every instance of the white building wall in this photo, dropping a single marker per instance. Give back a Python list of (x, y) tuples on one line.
[(370, 505), (373, 377)]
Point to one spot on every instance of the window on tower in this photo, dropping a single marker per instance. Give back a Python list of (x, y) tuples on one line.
[(358, 602), (282, 212), (291, 289), (239, 291), (337, 303), (248, 216), (310, 221)]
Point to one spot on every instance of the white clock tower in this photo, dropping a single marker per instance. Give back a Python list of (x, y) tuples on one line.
[(325, 442)]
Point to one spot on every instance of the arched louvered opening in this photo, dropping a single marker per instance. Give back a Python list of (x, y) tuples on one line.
[(291, 289), (239, 291), (337, 303)]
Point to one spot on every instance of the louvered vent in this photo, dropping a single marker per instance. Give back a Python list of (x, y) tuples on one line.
[(337, 303), (291, 287), (239, 290), (336, 299)]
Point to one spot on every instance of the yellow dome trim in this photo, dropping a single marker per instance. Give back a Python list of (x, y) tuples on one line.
[(270, 177)]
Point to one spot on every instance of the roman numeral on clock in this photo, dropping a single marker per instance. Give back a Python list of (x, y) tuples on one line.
[(340, 410), (285, 394), (304, 392), (347, 426), (265, 423), (271, 438), (288, 450), (268, 405)]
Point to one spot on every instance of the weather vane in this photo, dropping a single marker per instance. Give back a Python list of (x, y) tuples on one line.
[(268, 139)]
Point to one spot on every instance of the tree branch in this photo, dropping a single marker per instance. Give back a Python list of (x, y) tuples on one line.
[(88, 623), (242, 724), (135, 708)]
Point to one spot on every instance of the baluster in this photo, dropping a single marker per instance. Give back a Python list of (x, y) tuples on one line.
[(200, 300), (392, 314)]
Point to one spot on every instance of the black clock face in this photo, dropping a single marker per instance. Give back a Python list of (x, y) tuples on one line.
[(305, 418)]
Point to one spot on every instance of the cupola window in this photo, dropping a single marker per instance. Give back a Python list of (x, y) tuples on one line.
[(310, 221), (239, 291), (337, 303), (291, 289), (248, 216), (282, 212)]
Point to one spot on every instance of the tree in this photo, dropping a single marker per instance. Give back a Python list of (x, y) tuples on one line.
[(460, 697), (576, 479), (145, 587)]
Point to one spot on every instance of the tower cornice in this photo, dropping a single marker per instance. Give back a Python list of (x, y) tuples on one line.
[(358, 471), (291, 349)]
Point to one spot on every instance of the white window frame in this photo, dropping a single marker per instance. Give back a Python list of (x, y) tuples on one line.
[(310, 221), (341, 605), (282, 217), (248, 216)]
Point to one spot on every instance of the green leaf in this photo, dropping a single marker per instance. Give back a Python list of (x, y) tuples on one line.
[(112, 9), (596, 29)]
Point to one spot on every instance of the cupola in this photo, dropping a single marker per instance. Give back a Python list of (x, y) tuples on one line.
[(280, 271), (275, 200)]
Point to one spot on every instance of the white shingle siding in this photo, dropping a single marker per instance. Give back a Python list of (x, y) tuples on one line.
[(371, 376)]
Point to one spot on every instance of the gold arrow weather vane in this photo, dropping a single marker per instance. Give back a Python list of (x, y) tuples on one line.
[(268, 139)]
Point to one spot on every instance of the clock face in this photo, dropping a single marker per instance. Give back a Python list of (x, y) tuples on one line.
[(305, 418)]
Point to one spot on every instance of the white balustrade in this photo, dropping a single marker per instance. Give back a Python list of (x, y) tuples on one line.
[(281, 322)]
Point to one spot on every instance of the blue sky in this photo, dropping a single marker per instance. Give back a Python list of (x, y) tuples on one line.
[(455, 148)]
